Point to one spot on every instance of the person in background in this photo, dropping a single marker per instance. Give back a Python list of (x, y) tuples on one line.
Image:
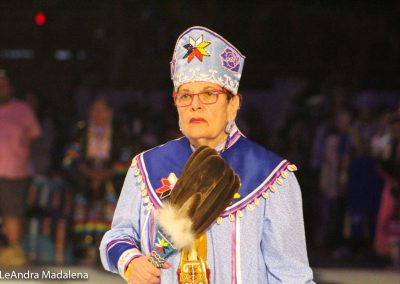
[(19, 128), (333, 181), (96, 161), (42, 148), (362, 198), (260, 237), (387, 238)]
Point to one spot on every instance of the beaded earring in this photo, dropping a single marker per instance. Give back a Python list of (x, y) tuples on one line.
[(228, 129), (229, 126)]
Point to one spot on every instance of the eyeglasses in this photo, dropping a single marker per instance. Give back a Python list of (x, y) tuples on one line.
[(208, 97)]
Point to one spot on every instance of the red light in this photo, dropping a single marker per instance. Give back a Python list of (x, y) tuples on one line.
[(40, 18)]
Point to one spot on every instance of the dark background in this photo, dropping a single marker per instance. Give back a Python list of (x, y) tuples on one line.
[(354, 44)]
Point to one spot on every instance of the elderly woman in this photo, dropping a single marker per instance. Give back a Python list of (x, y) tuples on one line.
[(259, 238)]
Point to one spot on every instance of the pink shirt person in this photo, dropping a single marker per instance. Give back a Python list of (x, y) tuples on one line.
[(18, 127)]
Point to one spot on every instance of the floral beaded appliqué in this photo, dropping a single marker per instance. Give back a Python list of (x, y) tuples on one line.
[(230, 60), (167, 184)]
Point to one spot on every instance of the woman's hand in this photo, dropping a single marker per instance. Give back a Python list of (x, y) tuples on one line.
[(143, 272)]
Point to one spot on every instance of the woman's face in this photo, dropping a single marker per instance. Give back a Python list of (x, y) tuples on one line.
[(204, 124)]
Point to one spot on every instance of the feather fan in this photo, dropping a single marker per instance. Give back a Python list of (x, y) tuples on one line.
[(204, 189)]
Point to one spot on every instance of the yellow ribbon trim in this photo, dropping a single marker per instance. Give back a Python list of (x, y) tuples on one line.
[(129, 269), (197, 256)]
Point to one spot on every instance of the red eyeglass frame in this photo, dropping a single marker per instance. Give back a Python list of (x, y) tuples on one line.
[(216, 92)]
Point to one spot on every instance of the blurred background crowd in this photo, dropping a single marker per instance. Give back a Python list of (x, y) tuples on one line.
[(320, 88)]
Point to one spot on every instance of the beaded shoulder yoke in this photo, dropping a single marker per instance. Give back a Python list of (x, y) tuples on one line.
[(260, 171)]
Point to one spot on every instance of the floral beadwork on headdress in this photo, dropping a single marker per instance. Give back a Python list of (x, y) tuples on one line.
[(196, 48), (230, 60)]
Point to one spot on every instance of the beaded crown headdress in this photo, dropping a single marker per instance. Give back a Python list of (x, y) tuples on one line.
[(203, 55)]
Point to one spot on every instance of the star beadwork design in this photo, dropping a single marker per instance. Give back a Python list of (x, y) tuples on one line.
[(196, 48)]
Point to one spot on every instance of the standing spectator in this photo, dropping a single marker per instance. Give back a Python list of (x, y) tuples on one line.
[(19, 128), (363, 196), (42, 148), (96, 161), (386, 240), (333, 181)]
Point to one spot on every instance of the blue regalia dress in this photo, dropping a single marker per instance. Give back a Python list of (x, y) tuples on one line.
[(259, 238)]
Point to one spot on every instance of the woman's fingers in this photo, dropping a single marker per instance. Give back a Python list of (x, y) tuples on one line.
[(166, 265)]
